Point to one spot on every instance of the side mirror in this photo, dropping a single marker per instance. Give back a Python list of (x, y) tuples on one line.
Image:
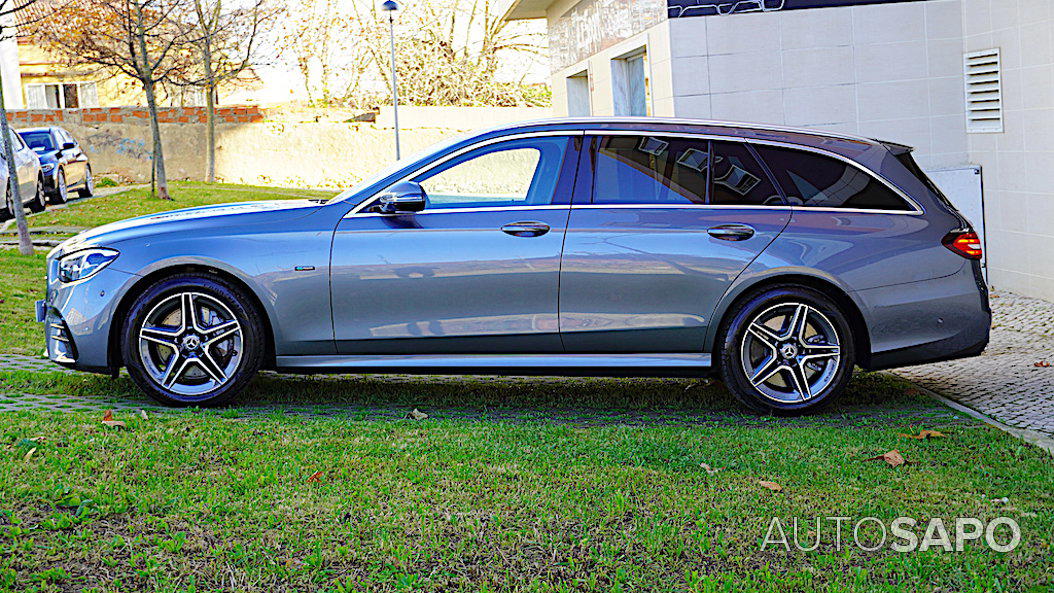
[(68, 146), (403, 197)]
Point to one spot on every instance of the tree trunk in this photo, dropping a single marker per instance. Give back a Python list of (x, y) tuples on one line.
[(210, 115), (147, 78), (155, 132), (25, 244)]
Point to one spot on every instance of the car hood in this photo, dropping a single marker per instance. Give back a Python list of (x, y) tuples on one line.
[(48, 156), (221, 216)]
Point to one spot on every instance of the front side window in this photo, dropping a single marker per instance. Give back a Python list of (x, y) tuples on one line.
[(814, 180), (651, 170), (514, 173)]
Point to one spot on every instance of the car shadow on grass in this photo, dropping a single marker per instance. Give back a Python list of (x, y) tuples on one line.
[(871, 398)]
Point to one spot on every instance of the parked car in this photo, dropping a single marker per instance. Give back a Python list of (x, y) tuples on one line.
[(776, 258), (30, 179), (63, 162)]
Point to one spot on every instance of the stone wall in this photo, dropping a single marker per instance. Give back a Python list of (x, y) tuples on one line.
[(251, 148)]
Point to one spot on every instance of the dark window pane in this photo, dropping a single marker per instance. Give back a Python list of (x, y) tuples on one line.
[(71, 96), (819, 181), (650, 170), (739, 179)]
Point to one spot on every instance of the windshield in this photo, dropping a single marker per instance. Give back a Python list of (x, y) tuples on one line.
[(397, 165), (39, 141)]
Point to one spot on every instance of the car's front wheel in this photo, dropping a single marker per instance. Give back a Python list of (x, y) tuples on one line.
[(786, 350), (193, 340), (39, 202)]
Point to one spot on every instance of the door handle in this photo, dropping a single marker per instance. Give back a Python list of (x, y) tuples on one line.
[(731, 232), (525, 229)]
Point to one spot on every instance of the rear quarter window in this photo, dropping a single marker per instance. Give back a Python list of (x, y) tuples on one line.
[(813, 180)]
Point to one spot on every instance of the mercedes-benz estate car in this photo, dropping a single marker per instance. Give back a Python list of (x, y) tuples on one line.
[(778, 259)]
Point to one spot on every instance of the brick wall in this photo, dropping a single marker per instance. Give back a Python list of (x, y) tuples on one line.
[(97, 115)]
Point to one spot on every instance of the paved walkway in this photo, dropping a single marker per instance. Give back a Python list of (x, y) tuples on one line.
[(1004, 383), (1010, 381)]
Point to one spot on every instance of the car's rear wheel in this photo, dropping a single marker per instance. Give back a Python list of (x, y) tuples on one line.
[(88, 190), (786, 350), (61, 189), (193, 340), (39, 202)]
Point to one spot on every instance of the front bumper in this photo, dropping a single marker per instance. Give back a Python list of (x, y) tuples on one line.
[(78, 319)]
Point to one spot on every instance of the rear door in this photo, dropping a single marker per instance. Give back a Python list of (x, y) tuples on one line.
[(654, 242)]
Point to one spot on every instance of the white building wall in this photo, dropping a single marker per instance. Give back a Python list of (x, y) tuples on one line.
[(892, 71), (1018, 164), (10, 72)]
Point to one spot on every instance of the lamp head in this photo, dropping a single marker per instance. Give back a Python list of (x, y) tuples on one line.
[(390, 6)]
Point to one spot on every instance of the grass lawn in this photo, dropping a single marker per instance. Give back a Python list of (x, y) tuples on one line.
[(22, 277), (509, 484)]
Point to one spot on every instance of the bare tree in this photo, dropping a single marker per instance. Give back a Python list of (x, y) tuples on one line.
[(227, 42), (10, 10), (146, 40), (449, 51)]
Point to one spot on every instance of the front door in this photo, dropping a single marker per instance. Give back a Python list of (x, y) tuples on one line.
[(650, 253), (477, 271)]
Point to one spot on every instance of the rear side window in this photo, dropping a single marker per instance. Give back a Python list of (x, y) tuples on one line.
[(739, 178), (650, 170), (813, 180)]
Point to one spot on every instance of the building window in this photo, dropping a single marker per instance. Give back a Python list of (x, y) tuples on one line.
[(578, 95), (629, 78), (984, 92), (61, 95)]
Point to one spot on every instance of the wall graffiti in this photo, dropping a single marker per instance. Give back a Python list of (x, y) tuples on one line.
[(592, 26), (128, 147)]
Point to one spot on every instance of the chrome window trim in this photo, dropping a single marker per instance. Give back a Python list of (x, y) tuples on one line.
[(463, 210), (918, 210), (356, 212)]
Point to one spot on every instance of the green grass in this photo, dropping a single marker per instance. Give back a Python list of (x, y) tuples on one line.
[(22, 278), (217, 501)]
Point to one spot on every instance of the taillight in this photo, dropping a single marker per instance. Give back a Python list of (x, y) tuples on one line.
[(965, 243)]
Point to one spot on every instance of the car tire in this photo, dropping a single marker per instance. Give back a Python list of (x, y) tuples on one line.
[(7, 211), (61, 193), (39, 202), (88, 189), (197, 363), (786, 350)]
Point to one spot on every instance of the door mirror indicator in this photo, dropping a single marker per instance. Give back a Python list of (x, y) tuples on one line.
[(402, 198)]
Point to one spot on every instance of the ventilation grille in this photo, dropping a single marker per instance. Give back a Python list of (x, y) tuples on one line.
[(984, 92)]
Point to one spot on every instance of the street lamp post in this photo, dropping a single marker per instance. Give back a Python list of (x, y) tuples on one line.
[(390, 6)]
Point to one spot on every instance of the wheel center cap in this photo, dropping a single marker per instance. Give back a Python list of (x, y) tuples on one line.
[(788, 351), (191, 342)]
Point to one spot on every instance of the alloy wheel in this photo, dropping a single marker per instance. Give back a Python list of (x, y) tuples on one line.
[(60, 185), (790, 352), (190, 344)]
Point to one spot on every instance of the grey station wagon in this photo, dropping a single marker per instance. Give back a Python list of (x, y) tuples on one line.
[(776, 258)]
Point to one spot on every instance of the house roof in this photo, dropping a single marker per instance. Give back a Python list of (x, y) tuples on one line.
[(527, 9)]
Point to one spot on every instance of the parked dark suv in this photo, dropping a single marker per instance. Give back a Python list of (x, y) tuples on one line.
[(779, 258), (62, 161)]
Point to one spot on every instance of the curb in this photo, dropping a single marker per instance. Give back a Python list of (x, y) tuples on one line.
[(1032, 437)]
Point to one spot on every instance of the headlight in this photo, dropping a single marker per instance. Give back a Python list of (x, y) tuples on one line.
[(47, 167), (85, 263)]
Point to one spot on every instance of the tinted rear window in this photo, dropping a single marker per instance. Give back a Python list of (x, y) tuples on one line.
[(650, 170), (814, 180), (739, 178)]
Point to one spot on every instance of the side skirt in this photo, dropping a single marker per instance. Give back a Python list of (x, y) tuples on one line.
[(574, 365)]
